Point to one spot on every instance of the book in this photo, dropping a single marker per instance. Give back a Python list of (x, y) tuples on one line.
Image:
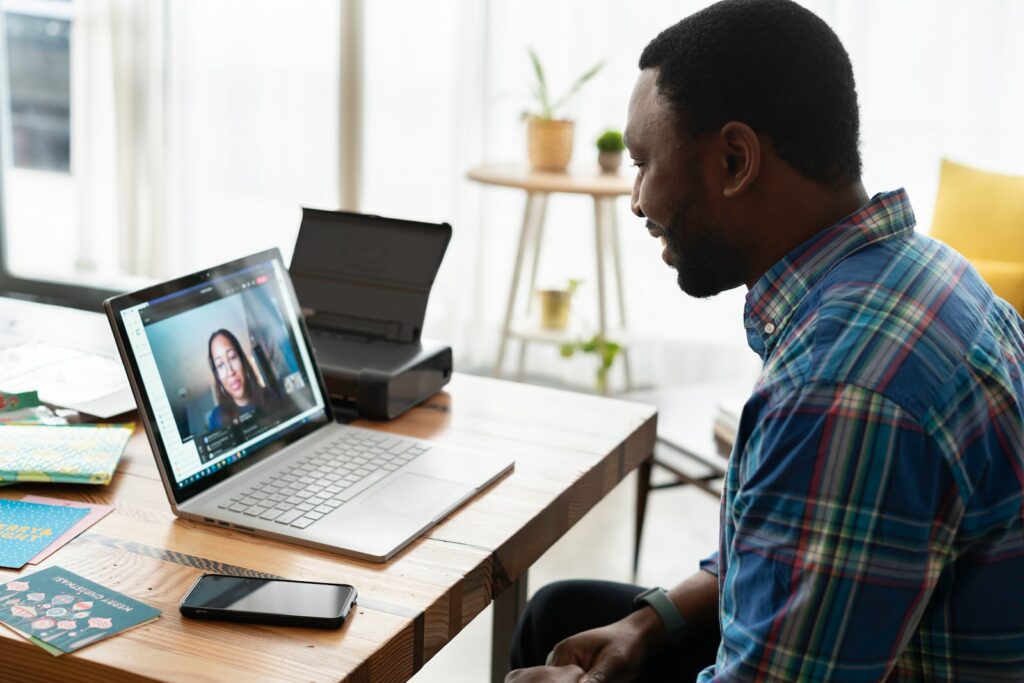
[(62, 612), (95, 513), (20, 401), (75, 454), (26, 529)]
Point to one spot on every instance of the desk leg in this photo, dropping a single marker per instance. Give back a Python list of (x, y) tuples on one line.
[(643, 487), (524, 235), (507, 608)]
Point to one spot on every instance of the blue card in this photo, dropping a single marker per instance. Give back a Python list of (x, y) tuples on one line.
[(61, 611), (27, 528)]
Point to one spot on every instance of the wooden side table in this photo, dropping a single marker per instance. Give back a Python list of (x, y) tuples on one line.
[(604, 188)]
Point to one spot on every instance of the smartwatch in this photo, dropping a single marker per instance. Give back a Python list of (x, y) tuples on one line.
[(657, 599)]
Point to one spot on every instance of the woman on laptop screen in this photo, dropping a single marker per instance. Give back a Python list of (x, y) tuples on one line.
[(235, 385)]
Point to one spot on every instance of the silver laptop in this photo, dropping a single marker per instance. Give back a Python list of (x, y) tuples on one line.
[(243, 433)]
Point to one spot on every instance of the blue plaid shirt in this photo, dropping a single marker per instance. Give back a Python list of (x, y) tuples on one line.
[(872, 509)]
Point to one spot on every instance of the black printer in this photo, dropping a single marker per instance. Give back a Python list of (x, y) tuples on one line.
[(363, 283)]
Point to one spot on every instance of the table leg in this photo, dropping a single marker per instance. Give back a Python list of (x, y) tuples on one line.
[(613, 239), (536, 235), (602, 324), (524, 234), (507, 608)]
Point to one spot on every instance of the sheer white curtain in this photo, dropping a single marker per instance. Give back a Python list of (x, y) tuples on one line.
[(446, 83), (119, 138), (200, 129), (254, 123)]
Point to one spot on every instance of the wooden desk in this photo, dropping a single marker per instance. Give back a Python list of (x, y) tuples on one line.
[(570, 450), (604, 188)]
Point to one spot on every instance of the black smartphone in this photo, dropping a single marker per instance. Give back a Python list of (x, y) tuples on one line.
[(268, 601)]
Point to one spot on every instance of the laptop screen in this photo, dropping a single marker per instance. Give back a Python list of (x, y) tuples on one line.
[(225, 366)]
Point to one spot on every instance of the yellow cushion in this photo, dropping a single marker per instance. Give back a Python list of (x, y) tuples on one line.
[(981, 215), (1005, 278)]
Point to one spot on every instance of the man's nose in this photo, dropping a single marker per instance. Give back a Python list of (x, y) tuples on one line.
[(634, 200)]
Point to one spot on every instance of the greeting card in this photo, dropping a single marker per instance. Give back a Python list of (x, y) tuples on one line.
[(95, 513), (28, 528), (61, 611)]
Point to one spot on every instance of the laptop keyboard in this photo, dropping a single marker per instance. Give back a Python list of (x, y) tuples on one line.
[(332, 474)]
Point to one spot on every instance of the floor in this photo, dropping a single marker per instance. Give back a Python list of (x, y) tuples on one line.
[(681, 528)]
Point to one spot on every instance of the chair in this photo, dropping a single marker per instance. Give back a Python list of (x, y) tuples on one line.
[(981, 215), (689, 450)]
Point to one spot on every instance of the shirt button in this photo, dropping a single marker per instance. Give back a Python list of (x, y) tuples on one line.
[(769, 328)]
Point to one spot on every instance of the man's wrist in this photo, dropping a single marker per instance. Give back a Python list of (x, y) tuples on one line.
[(674, 626), (649, 627)]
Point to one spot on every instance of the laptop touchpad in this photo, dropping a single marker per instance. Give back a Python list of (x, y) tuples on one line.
[(414, 493)]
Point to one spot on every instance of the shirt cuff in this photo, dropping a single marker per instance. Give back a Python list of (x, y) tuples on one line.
[(710, 563)]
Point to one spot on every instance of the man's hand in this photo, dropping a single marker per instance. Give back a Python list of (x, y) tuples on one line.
[(616, 652), (546, 674)]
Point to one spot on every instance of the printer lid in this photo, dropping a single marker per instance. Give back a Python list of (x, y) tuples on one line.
[(366, 275)]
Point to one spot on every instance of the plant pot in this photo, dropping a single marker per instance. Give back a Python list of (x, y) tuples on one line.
[(549, 144), (554, 308), (609, 161)]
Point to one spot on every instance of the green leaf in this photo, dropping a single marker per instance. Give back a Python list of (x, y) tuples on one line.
[(541, 92), (611, 141), (580, 82)]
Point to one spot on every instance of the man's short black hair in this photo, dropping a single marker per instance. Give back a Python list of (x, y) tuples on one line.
[(773, 65)]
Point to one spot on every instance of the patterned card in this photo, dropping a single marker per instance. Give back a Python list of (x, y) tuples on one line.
[(61, 611), (95, 513), (78, 454), (28, 528)]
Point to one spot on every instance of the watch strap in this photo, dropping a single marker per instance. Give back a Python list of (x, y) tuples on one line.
[(657, 599)]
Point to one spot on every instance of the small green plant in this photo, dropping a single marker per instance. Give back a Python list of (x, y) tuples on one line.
[(605, 349), (610, 141), (547, 107)]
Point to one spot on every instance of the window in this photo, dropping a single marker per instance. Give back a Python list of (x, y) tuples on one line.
[(151, 138), (39, 196), (39, 68)]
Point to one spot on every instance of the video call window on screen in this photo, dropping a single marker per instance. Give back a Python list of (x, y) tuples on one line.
[(228, 361)]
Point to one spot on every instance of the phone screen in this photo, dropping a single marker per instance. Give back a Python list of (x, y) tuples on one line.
[(270, 596)]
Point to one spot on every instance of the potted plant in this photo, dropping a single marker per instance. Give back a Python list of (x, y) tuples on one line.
[(549, 137), (605, 349), (554, 306), (609, 151)]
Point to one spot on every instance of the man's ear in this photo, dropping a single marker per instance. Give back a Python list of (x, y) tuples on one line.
[(741, 158)]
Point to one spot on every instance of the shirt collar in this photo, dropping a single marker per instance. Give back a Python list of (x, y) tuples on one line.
[(775, 296)]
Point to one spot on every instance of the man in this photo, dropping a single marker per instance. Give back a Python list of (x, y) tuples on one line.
[(872, 508)]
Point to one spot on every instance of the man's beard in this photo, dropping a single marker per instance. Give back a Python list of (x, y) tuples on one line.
[(704, 265)]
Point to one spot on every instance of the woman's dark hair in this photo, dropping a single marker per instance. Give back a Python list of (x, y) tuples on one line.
[(773, 65), (253, 389)]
